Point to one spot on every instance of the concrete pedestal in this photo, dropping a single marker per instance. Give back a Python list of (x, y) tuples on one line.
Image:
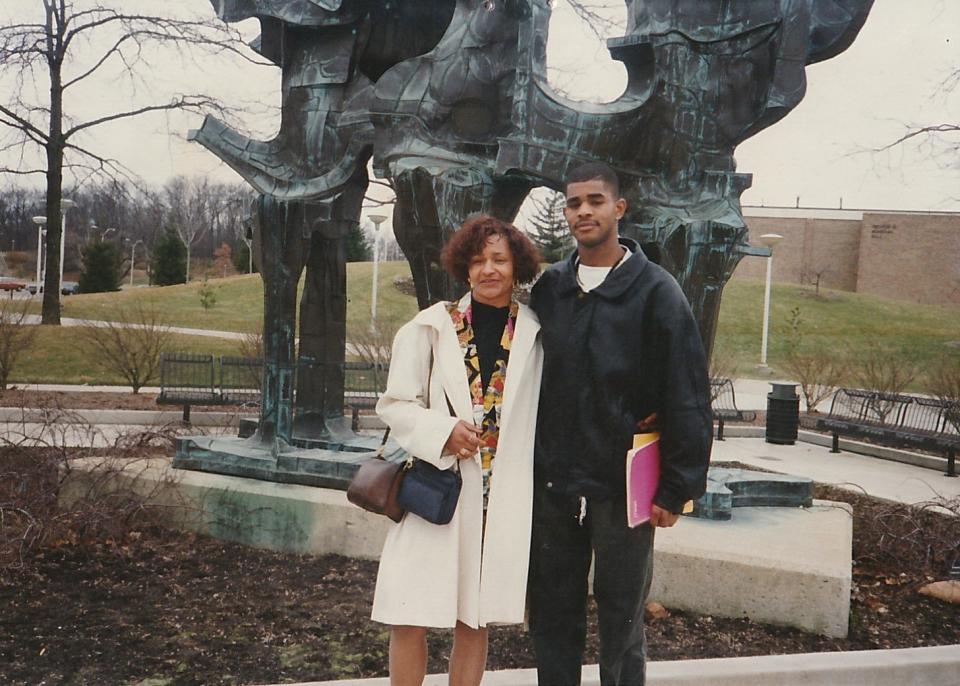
[(789, 566)]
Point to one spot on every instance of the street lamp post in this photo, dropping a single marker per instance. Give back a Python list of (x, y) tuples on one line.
[(41, 222), (769, 240), (65, 206), (133, 252), (377, 220)]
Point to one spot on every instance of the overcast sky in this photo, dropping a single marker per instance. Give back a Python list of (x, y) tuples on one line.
[(855, 103)]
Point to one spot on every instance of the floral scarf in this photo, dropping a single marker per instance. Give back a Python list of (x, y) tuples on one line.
[(486, 401)]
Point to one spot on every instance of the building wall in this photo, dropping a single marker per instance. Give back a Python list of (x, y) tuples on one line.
[(810, 247), (914, 257), (897, 255)]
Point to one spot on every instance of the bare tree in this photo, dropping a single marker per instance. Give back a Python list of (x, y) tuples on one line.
[(814, 276), (16, 335), (944, 382), (885, 371), (818, 371), (60, 48), (373, 344), (190, 210), (131, 345)]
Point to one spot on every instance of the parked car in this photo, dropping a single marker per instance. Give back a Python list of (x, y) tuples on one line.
[(34, 287), (10, 284), (70, 288)]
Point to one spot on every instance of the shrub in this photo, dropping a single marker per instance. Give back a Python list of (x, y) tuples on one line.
[(818, 371), (886, 371), (46, 503), (943, 381), (15, 335), (130, 346), (207, 293), (223, 261), (374, 345)]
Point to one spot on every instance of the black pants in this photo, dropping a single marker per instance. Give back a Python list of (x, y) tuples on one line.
[(559, 564)]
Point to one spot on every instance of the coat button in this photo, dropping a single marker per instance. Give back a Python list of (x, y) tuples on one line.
[(549, 484)]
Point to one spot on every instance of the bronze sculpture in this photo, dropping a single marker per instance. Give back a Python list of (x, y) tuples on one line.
[(451, 101)]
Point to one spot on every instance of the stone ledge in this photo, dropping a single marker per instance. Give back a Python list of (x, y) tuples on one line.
[(785, 565), (937, 666)]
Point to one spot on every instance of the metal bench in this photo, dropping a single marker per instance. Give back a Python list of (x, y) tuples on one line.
[(723, 402), (241, 380), (195, 379), (897, 421), (187, 379), (363, 383)]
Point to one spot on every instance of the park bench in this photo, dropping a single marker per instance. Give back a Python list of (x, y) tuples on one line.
[(896, 421), (363, 383), (188, 379), (196, 379), (723, 402)]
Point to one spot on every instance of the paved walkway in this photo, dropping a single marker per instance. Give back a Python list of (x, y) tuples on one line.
[(886, 479), (69, 321)]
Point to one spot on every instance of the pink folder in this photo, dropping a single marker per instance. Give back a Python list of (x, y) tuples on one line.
[(643, 475)]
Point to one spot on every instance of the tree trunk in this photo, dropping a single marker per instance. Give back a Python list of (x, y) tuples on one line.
[(54, 148)]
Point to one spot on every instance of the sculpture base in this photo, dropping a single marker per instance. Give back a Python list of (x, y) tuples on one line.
[(324, 464), (730, 488)]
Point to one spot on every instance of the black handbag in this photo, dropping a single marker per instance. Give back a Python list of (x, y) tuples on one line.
[(419, 487), (429, 492)]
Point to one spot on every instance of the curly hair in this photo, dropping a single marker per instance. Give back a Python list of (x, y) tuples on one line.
[(471, 238)]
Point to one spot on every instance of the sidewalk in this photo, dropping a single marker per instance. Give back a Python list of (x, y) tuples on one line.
[(877, 477), (68, 321)]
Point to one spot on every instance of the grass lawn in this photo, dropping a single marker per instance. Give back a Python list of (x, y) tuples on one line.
[(239, 300), (839, 321), (842, 322), (56, 357)]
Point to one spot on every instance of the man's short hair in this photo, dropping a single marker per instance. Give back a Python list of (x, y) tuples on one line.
[(595, 170)]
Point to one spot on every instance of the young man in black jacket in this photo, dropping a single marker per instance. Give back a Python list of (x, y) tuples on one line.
[(621, 351)]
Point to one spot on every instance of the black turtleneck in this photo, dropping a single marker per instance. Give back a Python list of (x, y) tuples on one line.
[(488, 322)]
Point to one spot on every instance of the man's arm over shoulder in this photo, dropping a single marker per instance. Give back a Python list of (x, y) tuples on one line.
[(684, 414), (542, 289)]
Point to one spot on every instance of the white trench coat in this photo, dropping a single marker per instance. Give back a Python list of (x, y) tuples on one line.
[(432, 575)]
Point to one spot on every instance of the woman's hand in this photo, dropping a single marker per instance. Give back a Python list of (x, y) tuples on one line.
[(463, 441)]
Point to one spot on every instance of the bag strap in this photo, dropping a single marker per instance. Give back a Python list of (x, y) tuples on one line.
[(383, 443)]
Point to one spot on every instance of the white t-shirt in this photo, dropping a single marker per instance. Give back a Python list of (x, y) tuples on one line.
[(591, 277)]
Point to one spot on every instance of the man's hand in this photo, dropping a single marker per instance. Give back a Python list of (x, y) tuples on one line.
[(662, 518), (648, 423), (463, 441)]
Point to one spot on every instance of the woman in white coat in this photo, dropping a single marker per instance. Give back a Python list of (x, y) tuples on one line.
[(462, 393)]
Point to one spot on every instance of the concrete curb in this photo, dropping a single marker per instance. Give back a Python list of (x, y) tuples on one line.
[(850, 446), (936, 666), (118, 417)]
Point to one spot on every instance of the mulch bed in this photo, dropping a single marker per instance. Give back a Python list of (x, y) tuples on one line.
[(137, 604)]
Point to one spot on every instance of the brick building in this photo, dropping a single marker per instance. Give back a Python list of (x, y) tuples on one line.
[(913, 256)]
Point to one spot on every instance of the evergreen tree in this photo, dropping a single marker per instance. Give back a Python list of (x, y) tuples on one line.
[(241, 259), (358, 247), (169, 264), (101, 267), (548, 228)]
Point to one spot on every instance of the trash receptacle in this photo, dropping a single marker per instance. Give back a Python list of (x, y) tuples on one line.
[(783, 413)]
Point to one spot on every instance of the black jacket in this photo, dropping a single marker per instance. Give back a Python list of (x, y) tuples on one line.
[(613, 356)]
